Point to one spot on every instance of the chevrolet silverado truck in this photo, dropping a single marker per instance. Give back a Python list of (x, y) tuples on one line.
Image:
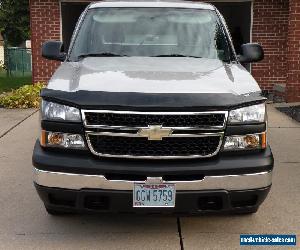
[(151, 111)]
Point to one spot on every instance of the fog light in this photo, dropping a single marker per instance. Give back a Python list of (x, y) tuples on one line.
[(245, 142), (64, 140)]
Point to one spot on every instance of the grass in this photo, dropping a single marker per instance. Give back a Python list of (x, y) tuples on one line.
[(13, 82)]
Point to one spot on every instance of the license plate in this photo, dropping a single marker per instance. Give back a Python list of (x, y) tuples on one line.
[(154, 195)]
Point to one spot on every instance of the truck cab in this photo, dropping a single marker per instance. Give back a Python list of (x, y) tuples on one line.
[(151, 110)]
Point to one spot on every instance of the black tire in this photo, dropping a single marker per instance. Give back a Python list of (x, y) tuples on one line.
[(56, 212), (247, 211)]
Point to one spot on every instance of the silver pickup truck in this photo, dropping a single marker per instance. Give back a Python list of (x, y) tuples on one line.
[(151, 111)]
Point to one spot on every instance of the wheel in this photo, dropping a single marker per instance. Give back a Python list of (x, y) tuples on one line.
[(245, 211), (56, 212)]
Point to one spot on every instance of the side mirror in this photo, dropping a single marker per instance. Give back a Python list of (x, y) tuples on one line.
[(251, 52), (52, 50)]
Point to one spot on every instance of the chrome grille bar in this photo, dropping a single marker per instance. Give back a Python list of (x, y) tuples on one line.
[(136, 135), (132, 132), (105, 126), (154, 157)]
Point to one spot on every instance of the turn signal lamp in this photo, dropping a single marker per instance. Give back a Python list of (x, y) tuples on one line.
[(245, 142), (62, 140)]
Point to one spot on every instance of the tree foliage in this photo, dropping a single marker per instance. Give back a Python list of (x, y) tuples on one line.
[(14, 21)]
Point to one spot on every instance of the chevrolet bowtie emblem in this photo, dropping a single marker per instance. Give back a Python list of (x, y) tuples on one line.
[(155, 132)]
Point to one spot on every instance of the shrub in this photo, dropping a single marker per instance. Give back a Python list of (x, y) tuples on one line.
[(2, 65), (27, 96)]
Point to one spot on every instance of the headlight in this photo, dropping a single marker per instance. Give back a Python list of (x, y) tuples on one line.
[(245, 142), (62, 140), (251, 114), (59, 112)]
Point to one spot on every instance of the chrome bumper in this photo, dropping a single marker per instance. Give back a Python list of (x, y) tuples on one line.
[(223, 182)]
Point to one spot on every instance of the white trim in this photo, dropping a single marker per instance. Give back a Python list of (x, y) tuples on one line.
[(1, 54), (251, 29), (251, 22), (228, 1), (152, 4), (60, 20)]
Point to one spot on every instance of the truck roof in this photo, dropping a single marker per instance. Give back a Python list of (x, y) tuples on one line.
[(153, 4)]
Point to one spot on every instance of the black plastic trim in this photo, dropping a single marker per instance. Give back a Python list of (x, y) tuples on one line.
[(116, 201), (89, 164), (245, 129), (68, 127), (65, 127), (152, 101)]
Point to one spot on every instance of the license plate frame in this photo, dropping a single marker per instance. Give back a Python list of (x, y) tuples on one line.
[(160, 191)]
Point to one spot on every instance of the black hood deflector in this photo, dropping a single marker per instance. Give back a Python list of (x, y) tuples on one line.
[(151, 101)]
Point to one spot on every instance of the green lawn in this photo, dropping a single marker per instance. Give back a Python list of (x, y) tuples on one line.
[(13, 82)]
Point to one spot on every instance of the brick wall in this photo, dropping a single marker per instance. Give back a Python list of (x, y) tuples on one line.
[(45, 25), (293, 53), (270, 28)]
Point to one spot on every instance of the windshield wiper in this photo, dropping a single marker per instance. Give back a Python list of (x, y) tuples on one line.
[(104, 54), (177, 55)]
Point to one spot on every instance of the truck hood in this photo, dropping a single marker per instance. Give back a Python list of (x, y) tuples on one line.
[(153, 75), (141, 83)]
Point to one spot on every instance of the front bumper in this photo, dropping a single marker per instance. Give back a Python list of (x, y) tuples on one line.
[(81, 183), (118, 201), (221, 182), (94, 193)]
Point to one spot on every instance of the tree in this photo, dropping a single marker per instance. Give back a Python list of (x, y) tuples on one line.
[(14, 21)]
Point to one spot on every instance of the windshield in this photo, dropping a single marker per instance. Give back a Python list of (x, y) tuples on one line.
[(151, 32)]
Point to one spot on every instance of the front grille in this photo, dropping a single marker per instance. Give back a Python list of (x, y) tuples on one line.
[(134, 134), (170, 147), (143, 120)]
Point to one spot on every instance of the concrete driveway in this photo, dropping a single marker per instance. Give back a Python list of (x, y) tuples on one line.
[(24, 224)]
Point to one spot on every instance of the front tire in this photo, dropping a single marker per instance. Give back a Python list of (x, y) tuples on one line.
[(245, 211), (55, 212)]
